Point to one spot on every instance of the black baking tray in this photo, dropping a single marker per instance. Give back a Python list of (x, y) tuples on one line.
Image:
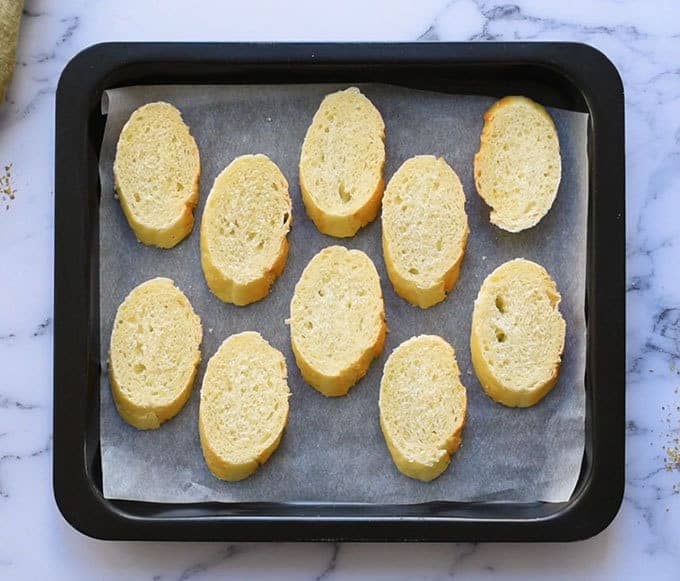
[(568, 75)]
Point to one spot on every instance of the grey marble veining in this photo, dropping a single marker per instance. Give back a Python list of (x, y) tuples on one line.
[(642, 39)]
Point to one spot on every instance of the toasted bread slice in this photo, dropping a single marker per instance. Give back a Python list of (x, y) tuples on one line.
[(424, 229), (423, 406), (341, 164), (518, 166), (244, 406), (154, 353), (245, 222), (517, 336), (337, 319), (157, 171)]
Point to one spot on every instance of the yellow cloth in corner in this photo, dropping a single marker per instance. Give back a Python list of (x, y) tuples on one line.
[(10, 16)]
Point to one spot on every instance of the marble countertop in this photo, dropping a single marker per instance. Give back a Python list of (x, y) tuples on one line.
[(642, 39)]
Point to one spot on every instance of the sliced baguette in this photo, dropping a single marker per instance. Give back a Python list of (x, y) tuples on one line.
[(157, 171), (154, 353), (341, 164), (518, 166), (244, 406), (424, 229), (337, 319), (423, 406), (517, 336), (246, 220)]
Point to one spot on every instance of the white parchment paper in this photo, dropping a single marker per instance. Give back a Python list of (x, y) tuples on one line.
[(333, 449)]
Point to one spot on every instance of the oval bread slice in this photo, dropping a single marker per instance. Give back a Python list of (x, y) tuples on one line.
[(337, 319), (341, 164), (244, 406), (423, 406), (245, 222), (424, 229), (517, 336), (157, 171), (154, 353), (518, 166)]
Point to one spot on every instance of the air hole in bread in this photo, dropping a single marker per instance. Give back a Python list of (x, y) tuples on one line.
[(500, 336), (345, 194), (500, 303), (413, 270)]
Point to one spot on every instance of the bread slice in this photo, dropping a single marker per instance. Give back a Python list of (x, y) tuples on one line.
[(341, 164), (423, 406), (424, 229), (244, 406), (154, 353), (337, 319), (518, 165), (517, 336), (157, 171), (243, 230)]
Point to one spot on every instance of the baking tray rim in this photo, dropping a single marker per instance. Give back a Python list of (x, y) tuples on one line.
[(76, 353)]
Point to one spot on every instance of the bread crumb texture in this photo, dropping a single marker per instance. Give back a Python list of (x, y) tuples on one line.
[(244, 406), (424, 229), (423, 406), (157, 171), (246, 220), (154, 353), (518, 166), (337, 319), (518, 333), (341, 164)]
